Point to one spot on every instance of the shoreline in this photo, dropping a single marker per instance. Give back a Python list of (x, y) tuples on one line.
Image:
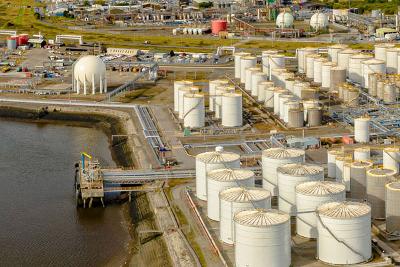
[(136, 215)]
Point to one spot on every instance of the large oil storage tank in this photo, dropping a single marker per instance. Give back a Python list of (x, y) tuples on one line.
[(344, 232), (256, 78), (265, 59), (310, 65), (282, 99), (361, 129), (209, 161), (221, 179), (362, 153), (249, 76), (314, 117), (333, 51), (392, 207), (391, 158), (332, 154), (177, 86), (262, 236), (183, 91), (389, 93), (340, 161), (296, 118), (337, 77), (193, 111), (246, 62), (275, 61), (358, 179), (319, 21), (218, 26), (355, 72), (263, 87), (212, 85), (301, 57), (344, 57), (310, 195), (392, 55), (273, 158), (219, 92), (289, 176), (235, 199), (326, 74), (380, 50), (284, 20), (376, 181), (318, 69), (269, 97), (232, 110), (277, 94), (369, 67), (238, 57)]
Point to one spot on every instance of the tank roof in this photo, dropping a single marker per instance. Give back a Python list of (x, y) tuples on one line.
[(244, 194), (344, 210), (320, 188), (227, 175), (261, 217)]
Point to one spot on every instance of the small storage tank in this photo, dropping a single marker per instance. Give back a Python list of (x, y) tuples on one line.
[(392, 55), (371, 66), (288, 105), (389, 93), (263, 86), (177, 86), (246, 62), (352, 97), (221, 179), (337, 77), (380, 50), (289, 84), (362, 153), (308, 104), (392, 207), (326, 74), (332, 154), (11, 43), (314, 117), (344, 232), (276, 61), (262, 236), (219, 92), (265, 59), (318, 69), (183, 91), (344, 57), (232, 110), (296, 118), (309, 93), (333, 51), (355, 73), (361, 129), (212, 85), (249, 76), (235, 199), (376, 181), (193, 111), (273, 158), (301, 57), (358, 179), (310, 195), (256, 78), (282, 99), (269, 96), (238, 58), (310, 65), (319, 21), (380, 92), (218, 26), (289, 176), (391, 158), (277, 94), (298, 87), (275, 76), (284, 20), (209, 161), (340, 161)]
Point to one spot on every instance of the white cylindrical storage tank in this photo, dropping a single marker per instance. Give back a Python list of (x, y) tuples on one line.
[(275, 76), (340, 161), (347, 175), (309, 104), (245, 63), (183, 91), (373, 84), (392, 207), (209, 161), (376, 181), (276, 61), (309, 196), (212, 85), (358, 179), (334, 50), (380, 50), (343, 58), (361, 129), (380, 84), (391, 158), (221, 179), (288, 105), (265, 59), (235, 199), (392, 55), (296, 118), (256, 78), (298, 87), (344, 232), (337, 77), (262, 237), (219, 91), (193, 111), (362, 153), (289, 176), (177, 86), (318, 69), (277, 94), (249, 76), (282, 99), (390, 91), (310, 65), (284, 20), (326, 74), (332, 154), (237, 58), (301, 57), (355, 73), (262, 88), (232, 110), (289, 84), (369, 67), (269, 97), (272, 159)]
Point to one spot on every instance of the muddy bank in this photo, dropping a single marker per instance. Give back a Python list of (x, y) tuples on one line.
[(146, 249)]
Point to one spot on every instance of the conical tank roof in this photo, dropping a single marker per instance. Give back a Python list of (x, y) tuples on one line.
[(244, 194), (343, 210), (320, 188), (261, 217)]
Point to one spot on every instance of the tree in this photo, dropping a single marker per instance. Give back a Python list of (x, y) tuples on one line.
[(205, 5)]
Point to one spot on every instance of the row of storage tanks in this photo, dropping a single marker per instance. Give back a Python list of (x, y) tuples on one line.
[(224, 101), (293, 100), (261, 234)]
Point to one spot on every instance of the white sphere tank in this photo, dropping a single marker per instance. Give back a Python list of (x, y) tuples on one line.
[(332, 154), (333, 51), (273, 158), (212, 86), (232, 110), (358, 179), (209, 161), (265, 59), (289, 176), (361, 129), (344, 57), (249, 76), (219, 92), (318, 69), (276, 61), (221, 179), (326, 74), (319, 21), (391, 158), (246, 62), (89, 69), (262, 88), (284, 20), (237, 58), (392, 207), (193, 111), (355, 72), (256, 78), (183, 91), (262, 237), (310, 65), (235, 199), (380, 50), (362, 153), (310, 195), (392, 55), (301, 57), (178, 85), (344, 232), (369, 67)]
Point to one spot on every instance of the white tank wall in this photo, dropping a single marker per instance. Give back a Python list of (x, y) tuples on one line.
[(193, 112), (265, 59), (218, 99), (232, 110), (376, 180), (276, 62), (392, 55), (310, 65), (361, 130), (392, 207), (332, 154), (249, 76), (256, 78), (183, 91), (358, 179), (212, 85), (237, 58), (362, 153), (326, 74), (246, 62), (282, 99), (371, 66), (355, 72), (262, 88), (344, 57), (391, 158), (177, 86), (301, 57), (269, 97), (380, 51), (277, 94), (318, 69), (288, 105)]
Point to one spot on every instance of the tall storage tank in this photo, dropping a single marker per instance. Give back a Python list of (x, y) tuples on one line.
[(310, 195), (344, 57), (221, 179), (212, 85), (376, 181), (344, 232), (391, 158), (277, 94), (390, 92), (380, 50), (256, 79), (310, 65), (289, 105), (273, 158), (362, 153), (361, 129), (301, 57), (296, 118), (193, 111), (218, 26), (209, 161), (245, 63), (337, 77), (369, 67), (355, 72), (232, 110), (332, 154), (269, 97), (282, 99), (358, 179), (314, 117), (265, 59), (235, 199), (318, 62), (249, 76), (219, 92), (238, 58), (334, 50), (392, 207), (289, 176), (326, 74), (263, 87), (177, 86), (340, 161), (392, 55), (181, 93), (262, 236), (276, 61)]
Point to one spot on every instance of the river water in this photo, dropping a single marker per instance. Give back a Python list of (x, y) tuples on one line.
[(39, 223)]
